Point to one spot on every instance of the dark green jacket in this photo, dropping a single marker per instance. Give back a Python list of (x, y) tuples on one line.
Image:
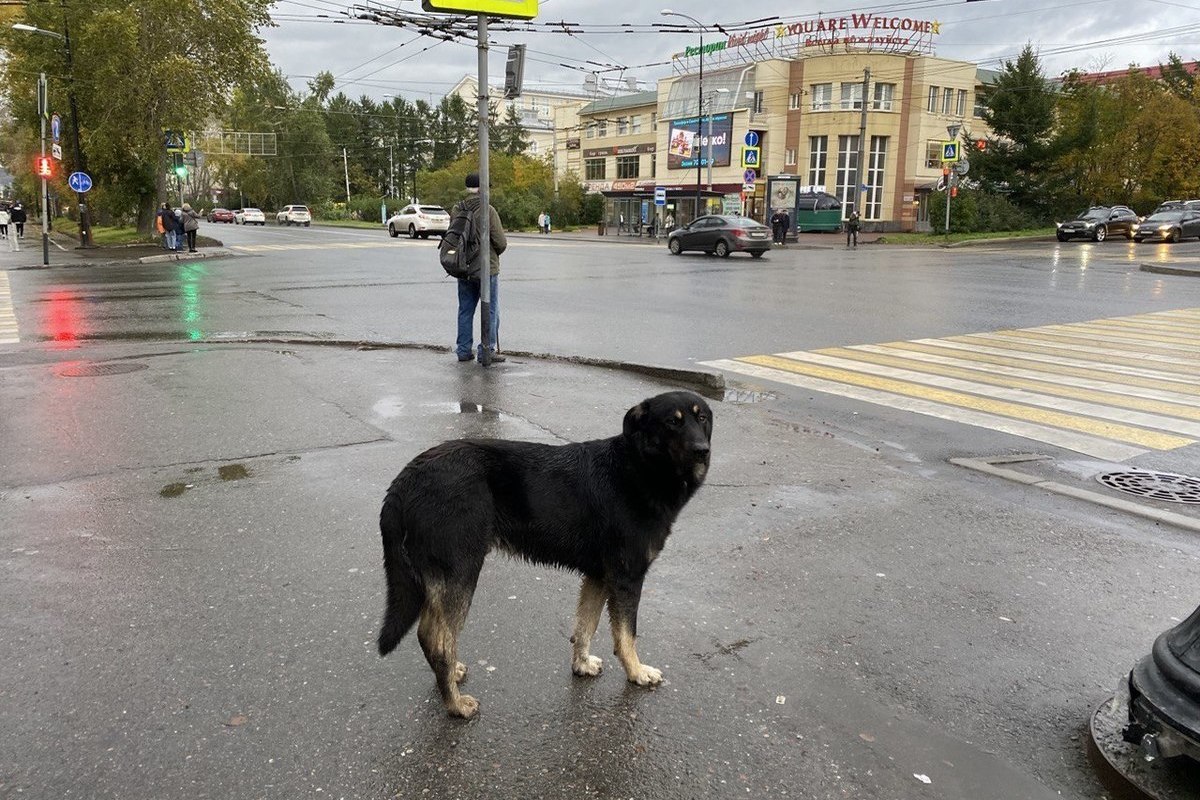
[(496, 231)]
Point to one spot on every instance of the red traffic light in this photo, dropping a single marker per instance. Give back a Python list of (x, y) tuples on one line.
[(981, 145), (44, 167)]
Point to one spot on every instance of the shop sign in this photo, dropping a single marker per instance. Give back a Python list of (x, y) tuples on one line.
[(573, 144), (686, 149), (865, 29)]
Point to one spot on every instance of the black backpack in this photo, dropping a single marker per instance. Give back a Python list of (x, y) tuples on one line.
[(459, 249)]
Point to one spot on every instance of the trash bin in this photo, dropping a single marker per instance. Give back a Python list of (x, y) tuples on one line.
[(600, 228)]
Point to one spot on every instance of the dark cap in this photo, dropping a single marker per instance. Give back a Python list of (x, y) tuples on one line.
[(473, 180)]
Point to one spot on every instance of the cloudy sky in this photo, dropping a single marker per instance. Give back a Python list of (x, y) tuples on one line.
[(381, 60)]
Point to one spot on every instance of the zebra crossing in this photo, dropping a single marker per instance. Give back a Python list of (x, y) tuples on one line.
[(383, 242), (1109, 388), (9, 334)]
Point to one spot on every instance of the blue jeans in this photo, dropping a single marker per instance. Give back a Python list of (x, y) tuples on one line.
[(468, 299), (172, 238)]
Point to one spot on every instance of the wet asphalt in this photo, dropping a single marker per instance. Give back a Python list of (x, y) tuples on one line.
[(190, 572)]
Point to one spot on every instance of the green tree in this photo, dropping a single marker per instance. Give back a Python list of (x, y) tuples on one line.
[(1177, 79), (510, 134), (1019, 108), (131, 81)]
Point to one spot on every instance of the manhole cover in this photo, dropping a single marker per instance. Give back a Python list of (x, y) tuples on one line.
[(1156, 485), (92, 370)]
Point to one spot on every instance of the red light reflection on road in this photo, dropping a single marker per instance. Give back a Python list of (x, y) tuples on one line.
[(64, 318)]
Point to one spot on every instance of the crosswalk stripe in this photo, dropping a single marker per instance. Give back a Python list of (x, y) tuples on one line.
[(1095, 427), (1078, 442), (9, 332), (1110, 388)]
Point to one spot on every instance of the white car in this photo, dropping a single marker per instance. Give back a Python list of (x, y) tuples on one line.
[(294, 215), (249, 216), (418, 220)]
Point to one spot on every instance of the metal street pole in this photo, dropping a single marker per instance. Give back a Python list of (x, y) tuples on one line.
[(666, 12), (485, 217), (862, 144), (346, 172), (708, 143), (44, 106)]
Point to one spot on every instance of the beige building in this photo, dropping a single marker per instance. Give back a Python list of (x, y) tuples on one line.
[(539, 110), (798, 93)]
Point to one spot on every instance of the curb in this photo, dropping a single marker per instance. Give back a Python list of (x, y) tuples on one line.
[(1165, 270), (199, 255)]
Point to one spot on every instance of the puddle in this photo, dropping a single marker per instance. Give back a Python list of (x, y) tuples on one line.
[(233, 472), (173, 489)]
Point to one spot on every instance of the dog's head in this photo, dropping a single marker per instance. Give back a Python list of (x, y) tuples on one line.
[(673, 430)]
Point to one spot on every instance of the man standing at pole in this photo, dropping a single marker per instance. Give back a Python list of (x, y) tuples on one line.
[(469, 289)]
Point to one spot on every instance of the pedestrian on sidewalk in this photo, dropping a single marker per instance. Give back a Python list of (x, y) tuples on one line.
[(160, 227), (171, 227), (778, 226), (469, 289), (191, 224), (4, 220), (546, 221), (18, 218), (852, 226)]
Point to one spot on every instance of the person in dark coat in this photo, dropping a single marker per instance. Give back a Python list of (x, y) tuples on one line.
[(779, 221), (18, 218), (470, 290), (852, 226)]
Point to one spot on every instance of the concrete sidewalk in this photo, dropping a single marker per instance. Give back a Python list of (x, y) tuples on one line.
[(190, 558), (64, 251)]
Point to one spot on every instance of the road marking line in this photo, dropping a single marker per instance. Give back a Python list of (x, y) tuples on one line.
[(1076, 442), (9, 331), (1111, 430), (1097, 355), (1118, 344)]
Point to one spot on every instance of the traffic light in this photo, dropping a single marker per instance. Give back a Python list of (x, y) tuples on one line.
[(180, 168), (980, 144), (44, 167)]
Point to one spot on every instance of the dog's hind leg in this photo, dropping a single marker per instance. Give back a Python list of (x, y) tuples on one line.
[(442, 619), (592, 595), (622, 612)]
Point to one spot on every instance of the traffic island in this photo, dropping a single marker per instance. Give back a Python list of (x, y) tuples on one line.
[(1191, 268)]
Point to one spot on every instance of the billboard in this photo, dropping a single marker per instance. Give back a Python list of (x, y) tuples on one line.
[(685, 152)]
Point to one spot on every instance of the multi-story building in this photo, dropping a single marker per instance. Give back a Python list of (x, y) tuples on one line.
[(814, 98), (538, 109)]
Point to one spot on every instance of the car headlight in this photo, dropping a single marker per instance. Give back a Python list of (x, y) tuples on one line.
[(1164, 227), (1089, 224)]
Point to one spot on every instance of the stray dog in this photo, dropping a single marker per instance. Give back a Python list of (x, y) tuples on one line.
[(602, 508)]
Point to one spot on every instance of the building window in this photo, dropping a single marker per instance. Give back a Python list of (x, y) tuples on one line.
[(593, 169), (947, 101), (931, 106), (653, 120), (883, 96), (590, 130), (818, 148), (635, 123), (653, 166), (601, 128), (852, 96), (758, 102), (875, 170), (933, 155), (962, 103), (622, 126), (627, 166), (789, 157), (847, 172), (794, 101), (822, 96), (979, 106)]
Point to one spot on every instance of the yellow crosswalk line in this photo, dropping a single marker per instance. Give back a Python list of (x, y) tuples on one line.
[(1109, 430), (9, 332), (1111, 388)]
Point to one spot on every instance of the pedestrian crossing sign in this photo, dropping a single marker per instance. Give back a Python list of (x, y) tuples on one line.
[(750, 157), (949, 151)]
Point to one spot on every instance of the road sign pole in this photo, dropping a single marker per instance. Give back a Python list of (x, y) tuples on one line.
[(43, 96), (948, 181)]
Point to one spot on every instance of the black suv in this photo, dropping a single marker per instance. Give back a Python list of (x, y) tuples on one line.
[(1098, 223)]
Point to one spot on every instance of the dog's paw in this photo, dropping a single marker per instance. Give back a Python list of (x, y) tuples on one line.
[(460, 672), (589, 666), (646, 676), (465, 707)]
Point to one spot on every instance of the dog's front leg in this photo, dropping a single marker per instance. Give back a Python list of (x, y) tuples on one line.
[(622, 612), (592, 595)]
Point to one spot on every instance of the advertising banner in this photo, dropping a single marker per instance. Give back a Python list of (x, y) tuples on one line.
[(685, 149)]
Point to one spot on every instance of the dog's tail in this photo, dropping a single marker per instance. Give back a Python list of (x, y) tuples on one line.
[(405, 593)]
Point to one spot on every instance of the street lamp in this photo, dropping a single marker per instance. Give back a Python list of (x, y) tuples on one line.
[(85, 228), (666, 12), (708, 141)]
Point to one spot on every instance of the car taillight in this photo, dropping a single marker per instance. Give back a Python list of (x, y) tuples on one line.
[(740, 232)]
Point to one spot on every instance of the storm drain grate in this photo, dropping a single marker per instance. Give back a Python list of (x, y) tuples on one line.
[(1156, 485), (92, 370)]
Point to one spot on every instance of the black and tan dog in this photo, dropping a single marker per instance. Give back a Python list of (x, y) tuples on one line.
[(603, 508)]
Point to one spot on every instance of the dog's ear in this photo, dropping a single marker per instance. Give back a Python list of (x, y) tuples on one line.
[(634, 417)]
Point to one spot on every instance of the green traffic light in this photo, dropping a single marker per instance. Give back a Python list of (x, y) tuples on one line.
[(181, 172)]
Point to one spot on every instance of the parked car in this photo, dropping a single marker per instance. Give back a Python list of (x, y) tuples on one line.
[(220, 215), (721, 234), (249, 216), (1169, 226), (1098, 223), (294, 215), (418, 220)]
